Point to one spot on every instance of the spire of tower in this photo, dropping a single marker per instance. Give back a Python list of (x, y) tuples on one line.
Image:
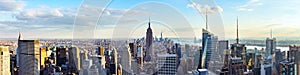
[(237, 30), (20, 36), (271, 33), (206, 19), (149, 22), (161, 35)]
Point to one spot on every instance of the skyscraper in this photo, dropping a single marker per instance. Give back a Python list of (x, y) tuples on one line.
[(4, 61), (74, 58), (270, 46), (18, 49), (239, 50), (167, 64), (209, 44), (61, 55), (222, 46), (149, 40), (125, 60), (113, 61), (101, 50), (43, 54), (140, 57), (29, 57), (133, 50)]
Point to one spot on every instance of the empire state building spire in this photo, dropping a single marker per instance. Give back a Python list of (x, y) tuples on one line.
[(149, 23)]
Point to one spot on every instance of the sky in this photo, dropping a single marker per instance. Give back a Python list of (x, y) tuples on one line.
[(129, 19)]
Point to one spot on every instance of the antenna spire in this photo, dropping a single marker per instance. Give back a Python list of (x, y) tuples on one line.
[(271, 33), (206, 20), (237, 30), (149, 22)]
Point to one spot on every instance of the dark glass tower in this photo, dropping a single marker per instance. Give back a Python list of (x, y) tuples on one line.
[(209, 44)]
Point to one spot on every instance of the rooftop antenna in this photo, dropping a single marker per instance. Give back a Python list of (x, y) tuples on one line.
[(206, 19), (271, 34), (237, 30)]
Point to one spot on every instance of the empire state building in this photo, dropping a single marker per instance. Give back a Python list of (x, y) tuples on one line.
[(149, 40)]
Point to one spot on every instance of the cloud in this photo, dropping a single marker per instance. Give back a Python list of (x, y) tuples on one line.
[(61, 20), (245, 9), (39, 13), (249, 6), (11, 5), (205, 8)]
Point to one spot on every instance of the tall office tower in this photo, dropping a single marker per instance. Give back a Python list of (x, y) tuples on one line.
[(166, 64), (178, 53), (4, 61), (100, 63), (133, 50), (149, 40), (29, 57), (113, 61), (222, 46), (140, 57), (250, 58), (209, 44), (74, 58), (287, 68), (278, 58), (293, 56), (187, 50), (101, 50), (225, 68), (18, 49), (61, 55), (161, 37), (270, 45), (292, 53), (125, 60), (239, 50), (43, 52), (236, 66)]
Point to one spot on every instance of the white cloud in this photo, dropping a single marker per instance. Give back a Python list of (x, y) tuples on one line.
[(245, 9), (11, 5), (205, 8), (40, 13), (250, 5)]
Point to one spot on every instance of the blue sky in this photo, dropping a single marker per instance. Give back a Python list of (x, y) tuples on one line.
[(55, 18)]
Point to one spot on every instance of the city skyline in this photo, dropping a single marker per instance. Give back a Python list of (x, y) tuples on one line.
[(55, 19)]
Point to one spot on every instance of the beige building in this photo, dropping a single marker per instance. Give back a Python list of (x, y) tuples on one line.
[(4, 61)]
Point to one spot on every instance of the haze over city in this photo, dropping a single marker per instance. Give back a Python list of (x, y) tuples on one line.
[(55, 19)]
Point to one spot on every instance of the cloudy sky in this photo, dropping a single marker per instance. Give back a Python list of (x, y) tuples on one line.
[(173, 18)]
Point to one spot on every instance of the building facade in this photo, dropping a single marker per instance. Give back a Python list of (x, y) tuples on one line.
[(270, 46), (29, 57), (166, 64), (209, 44), (4, 61)]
